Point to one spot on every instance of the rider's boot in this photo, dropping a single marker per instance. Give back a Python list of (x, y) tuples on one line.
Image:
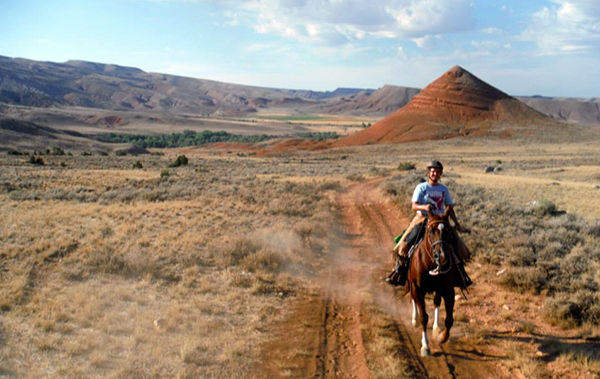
[(466, 280), (403, 272), (398, 276)]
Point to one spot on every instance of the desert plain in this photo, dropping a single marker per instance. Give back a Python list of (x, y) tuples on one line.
[(267, 260)]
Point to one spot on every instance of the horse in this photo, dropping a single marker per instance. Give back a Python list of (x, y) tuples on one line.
[(433, 268)]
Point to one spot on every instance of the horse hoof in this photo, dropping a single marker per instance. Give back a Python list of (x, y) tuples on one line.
[(443, 337), (425, 352)]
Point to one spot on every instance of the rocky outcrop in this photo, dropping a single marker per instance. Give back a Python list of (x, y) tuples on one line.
[(456, 104)]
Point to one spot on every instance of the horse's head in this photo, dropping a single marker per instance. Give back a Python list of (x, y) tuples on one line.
[(439, 236)]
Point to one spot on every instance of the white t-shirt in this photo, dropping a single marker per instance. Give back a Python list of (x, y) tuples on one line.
[(438, 196)]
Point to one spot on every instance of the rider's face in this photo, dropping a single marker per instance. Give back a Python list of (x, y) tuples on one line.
[(434, 174)]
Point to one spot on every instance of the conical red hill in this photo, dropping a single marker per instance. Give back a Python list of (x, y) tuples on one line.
[(457, 103)]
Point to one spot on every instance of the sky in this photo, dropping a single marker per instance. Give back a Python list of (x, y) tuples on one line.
[(536, 47)]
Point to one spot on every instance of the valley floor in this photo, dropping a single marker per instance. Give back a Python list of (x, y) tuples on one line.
[(239, 266)]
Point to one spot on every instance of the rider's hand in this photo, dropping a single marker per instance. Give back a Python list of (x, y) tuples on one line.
[(428, 208), (460, 229)]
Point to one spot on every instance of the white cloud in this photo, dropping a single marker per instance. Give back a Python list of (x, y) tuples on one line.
[(427, 42), (567, 27), (338, 22), (492, 30), (232, 19)]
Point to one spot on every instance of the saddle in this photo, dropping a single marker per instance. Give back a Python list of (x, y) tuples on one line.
[(398, 276)]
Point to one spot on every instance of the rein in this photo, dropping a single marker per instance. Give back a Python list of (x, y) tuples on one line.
[(436, 271), (443, 243)]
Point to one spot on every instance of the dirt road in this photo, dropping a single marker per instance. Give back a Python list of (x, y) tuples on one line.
[(336, 330)]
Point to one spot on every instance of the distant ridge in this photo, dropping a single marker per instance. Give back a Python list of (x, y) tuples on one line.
[(580, 111), (378, 103), (112, 87), (457, 103), (119, 88)]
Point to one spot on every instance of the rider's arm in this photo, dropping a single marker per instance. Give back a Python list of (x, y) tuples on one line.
[(450, 212), (421, 207)]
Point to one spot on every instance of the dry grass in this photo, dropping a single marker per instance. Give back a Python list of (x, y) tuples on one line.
[(119, 273), (112, 272), (384, 352)]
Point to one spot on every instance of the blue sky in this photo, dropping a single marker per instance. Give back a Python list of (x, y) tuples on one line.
[(549, 48)]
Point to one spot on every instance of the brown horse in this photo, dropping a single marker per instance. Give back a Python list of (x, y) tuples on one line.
[(433, 268)]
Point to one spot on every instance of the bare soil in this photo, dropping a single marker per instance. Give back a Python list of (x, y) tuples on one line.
[(326, 332)]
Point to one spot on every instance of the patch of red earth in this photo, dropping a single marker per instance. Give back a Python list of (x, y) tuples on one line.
[(243, 146), (287, 146)]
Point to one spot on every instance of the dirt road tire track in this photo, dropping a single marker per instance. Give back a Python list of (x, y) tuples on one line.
[(324, 330)]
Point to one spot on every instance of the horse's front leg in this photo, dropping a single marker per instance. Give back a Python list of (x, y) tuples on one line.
[(449, 304), (437, 301), (419, 298)]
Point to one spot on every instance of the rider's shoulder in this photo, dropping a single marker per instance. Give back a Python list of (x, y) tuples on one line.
[(421, 186)]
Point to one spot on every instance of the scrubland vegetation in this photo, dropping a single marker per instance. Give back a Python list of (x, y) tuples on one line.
[(145, 267), (115, 272), (545, 250)]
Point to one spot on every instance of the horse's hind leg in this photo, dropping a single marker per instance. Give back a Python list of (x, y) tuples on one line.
[(449, 304), (437, 301), (415, 313), (419, 299)]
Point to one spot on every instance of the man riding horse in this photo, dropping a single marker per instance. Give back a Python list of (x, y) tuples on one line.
[(430, 197)]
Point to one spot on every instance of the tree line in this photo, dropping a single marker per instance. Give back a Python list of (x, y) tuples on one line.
[(192, 138)]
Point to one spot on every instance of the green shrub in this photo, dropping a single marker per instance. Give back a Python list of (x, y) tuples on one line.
[(180, 161), (165, 173), (356, 177), (406, 166), (544, 207), (524, 279), (36, 160), (120, 153), (86, 154), (573, 309), (263, 260), (593, 229), (57, 151), (137, 165), (238, 251)]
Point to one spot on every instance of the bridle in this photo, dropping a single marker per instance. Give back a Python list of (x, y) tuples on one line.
[(435, 255)]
